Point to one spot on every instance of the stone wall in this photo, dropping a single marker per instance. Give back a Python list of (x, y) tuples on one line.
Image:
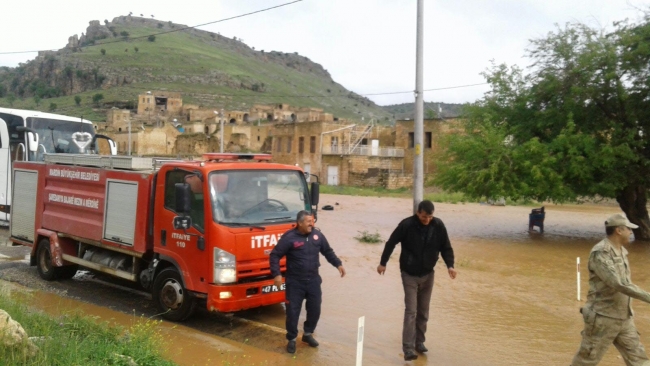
[(436, 128), (195, 145), (149, 142)]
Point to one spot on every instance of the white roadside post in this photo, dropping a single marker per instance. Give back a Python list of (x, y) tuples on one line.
[(578, 278), (360, 340)]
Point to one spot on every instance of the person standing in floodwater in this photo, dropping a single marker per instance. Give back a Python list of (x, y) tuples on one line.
[(608, 312), (423, 239), (302, 246)]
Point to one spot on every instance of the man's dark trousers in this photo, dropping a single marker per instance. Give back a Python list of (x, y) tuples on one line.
[(417, 296), (297, 291)]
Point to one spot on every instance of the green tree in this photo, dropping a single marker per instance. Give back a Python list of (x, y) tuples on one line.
[(98, 98), (136, 49), (576, 127), (37, 100), (53, 107), (77, 100), (103, 51)]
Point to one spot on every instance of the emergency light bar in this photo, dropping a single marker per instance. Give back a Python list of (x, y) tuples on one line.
[(235, 157)]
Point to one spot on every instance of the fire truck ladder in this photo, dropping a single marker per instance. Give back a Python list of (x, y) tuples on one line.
[(108, 161)]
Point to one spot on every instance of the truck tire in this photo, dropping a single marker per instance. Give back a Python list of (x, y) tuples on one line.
[(44, 261), (172, 299)]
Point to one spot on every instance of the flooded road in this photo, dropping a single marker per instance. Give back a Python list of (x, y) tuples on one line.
[(513, 303)]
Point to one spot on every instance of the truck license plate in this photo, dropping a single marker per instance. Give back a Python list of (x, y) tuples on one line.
[(272, 288)]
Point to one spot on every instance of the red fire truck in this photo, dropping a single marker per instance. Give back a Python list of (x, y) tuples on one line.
[(188, 231)]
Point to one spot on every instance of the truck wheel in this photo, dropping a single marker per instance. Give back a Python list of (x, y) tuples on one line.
[(173, 300), (44, 261)]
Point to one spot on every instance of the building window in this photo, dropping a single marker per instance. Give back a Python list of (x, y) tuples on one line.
[(427, 139), (411, 140), (258, 138), (278, 146), (301, 144), (312, 144), (289, 141)]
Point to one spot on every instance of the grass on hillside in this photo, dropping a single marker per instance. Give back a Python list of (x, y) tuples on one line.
[(180, 61), (76, 340)]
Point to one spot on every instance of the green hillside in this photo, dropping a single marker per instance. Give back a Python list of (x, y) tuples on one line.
[(118, 60)]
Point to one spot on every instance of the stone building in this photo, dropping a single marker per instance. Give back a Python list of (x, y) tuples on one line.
[(340, 153), (147, 141), (118, 119), (433, 129), (163, 102)]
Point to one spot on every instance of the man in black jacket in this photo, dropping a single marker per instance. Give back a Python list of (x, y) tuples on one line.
[(302, 246), (423, 239)]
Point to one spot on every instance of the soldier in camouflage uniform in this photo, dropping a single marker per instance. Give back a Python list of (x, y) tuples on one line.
[(608, 312)]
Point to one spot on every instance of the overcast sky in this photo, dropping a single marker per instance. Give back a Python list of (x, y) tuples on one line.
[(368, 46)]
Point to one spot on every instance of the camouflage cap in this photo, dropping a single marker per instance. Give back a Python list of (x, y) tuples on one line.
[(619, 220)]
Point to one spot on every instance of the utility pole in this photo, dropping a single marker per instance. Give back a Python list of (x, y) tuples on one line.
[(129, 135), (418, 126), (221, 130)]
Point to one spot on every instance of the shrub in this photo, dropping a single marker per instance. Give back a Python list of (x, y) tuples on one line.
[(136, 49), (97, 98), (103, 51), (367, 237), (77, 100), (151, 38), (53, 107)]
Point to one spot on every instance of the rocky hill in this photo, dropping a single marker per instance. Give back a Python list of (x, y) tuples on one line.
[(130, 55)]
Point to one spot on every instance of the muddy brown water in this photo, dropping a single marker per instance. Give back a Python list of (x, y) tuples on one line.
[(513, 302)]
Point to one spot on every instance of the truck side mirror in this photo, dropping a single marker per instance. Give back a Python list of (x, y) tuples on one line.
[(113, 147), (315, 193), (32, 138), (183, 198), (111, 143), (32, 141)]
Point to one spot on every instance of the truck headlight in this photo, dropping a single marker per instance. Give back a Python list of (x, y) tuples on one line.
[(225, 270)]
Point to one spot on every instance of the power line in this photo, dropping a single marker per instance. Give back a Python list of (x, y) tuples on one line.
[(166, 32), (335, 95)]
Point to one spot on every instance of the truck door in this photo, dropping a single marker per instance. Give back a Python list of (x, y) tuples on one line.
[(5, 172), (184, 245)]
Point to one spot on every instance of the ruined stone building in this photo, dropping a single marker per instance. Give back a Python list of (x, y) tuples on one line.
[(341, 153), (338, 151), (159, 102)]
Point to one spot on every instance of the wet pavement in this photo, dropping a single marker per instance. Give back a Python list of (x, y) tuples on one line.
[(513, 302)]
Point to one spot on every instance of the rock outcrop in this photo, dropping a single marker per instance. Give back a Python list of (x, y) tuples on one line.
[(12, 335)]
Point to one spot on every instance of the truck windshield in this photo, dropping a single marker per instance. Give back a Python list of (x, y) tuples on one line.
[(257, 196)]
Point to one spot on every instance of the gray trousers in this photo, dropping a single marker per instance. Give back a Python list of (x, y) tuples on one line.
[(417, 296), (600, 332)]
